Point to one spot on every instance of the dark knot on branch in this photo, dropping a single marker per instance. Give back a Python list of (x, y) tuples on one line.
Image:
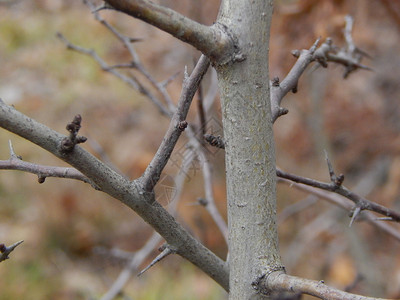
[(215, 141), (68, 143)]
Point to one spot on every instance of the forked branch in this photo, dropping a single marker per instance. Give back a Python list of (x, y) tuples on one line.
[(16, 163), (349, 56), (336, 186), (213, 41), (128, 192)]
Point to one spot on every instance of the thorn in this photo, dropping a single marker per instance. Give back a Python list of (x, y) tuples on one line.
[(384, 219), (167, 251), (315, 45), (355, 213), (330, 168), (5, 251), (12, 152)]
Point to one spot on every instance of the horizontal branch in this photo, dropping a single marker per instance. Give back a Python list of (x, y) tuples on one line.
[(279, 281), (213, 41), (15, 162), (42, 171), (345, 204), (359, 201)]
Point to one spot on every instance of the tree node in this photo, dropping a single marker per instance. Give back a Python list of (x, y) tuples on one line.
[(68, 143)]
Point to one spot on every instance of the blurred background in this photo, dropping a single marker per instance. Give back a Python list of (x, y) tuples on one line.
[(68, 228)]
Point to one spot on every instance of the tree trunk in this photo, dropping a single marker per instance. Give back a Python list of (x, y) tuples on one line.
[(250, 156)]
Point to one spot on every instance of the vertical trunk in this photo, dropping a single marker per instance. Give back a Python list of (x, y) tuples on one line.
[(250, 157)]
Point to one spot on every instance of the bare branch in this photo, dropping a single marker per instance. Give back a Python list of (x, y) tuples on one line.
[(176, 127), (42, 171), (359, 201), (212, 41), (128, 192), (130, 80), (134, 263), (138, 257), (210, 201), (201, 113), (350, 57), (5, 251), (346, 204), (279, 281), (279, 90), (135, 63)]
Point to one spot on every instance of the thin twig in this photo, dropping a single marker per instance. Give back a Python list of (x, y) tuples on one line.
[(176, 127), (359, 201), (201, 112), (279, 91), (213, 41), (136, 259), (130, 80), (344, 203), (136, 63), (16, 163)]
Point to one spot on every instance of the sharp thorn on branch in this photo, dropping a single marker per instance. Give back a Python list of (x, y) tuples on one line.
[(12, 152), (385, 219), (354, 215), (165, 252), (315, 45), (5, 251)]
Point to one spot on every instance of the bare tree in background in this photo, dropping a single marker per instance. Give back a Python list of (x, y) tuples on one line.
[(236, 45)]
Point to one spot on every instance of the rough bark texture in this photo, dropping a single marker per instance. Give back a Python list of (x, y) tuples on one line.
[(250, 156)]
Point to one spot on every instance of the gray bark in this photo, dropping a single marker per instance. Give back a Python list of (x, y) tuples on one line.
[(250, 156)]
